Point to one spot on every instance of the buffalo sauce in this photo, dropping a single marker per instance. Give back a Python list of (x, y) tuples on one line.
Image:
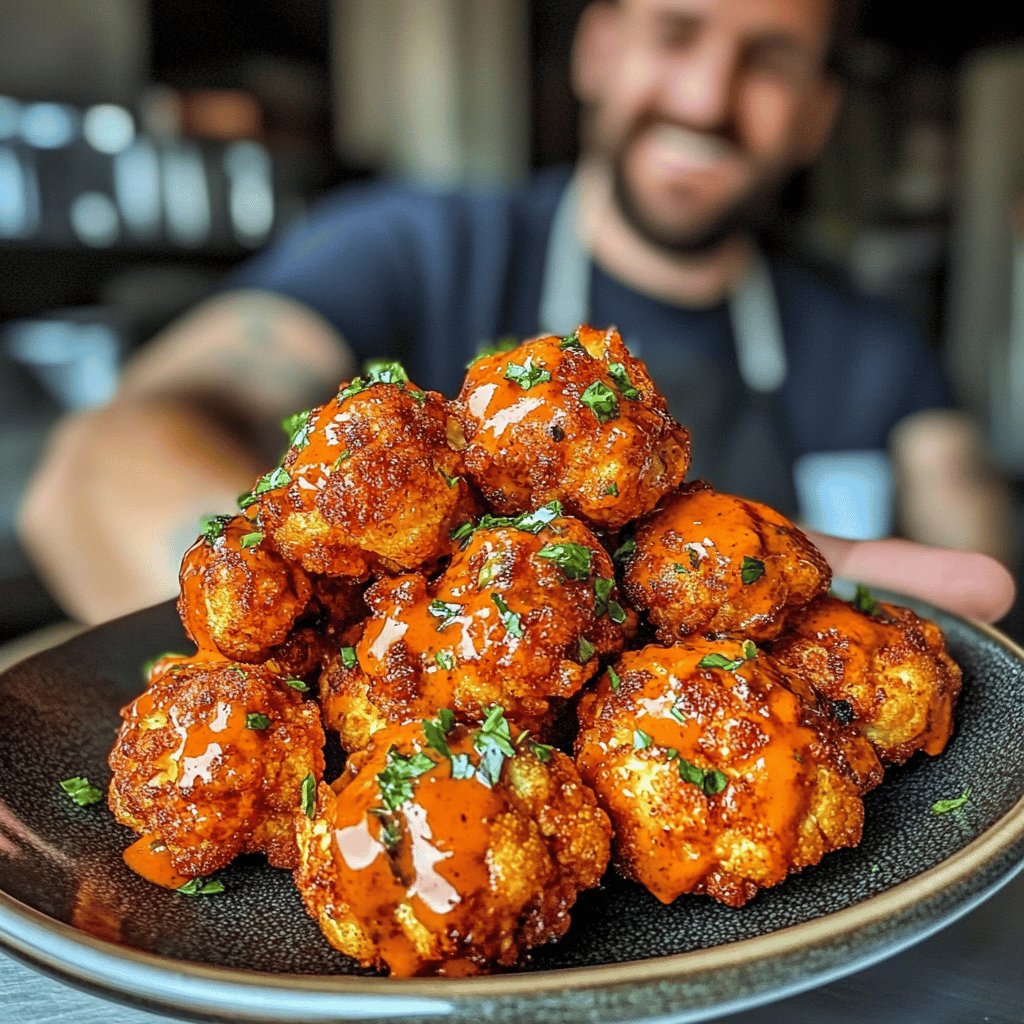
[(150, 858)]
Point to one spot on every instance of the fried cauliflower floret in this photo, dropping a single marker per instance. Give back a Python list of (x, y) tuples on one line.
[(210, 760), (239, 596), (519, 618), (717, 778), (370, 482), (446, 850), (713, 563), (884, 670), (577, 420)]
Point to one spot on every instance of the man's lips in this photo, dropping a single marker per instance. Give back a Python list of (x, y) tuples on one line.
[(682, 150)]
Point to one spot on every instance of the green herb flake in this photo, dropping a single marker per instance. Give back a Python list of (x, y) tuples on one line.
[(446, 611), (396, 781), (297, 429), (720, 661), (348, 657), (147, 666), (272, 481), (489, 570), (527, 375), (573, 559), (201, 887), (613, 679), (353, 387), (585, 650), (601, 401), (346, 454), (709, 780), (953, 804), (535, 521), (493, 742), (297, 684), (603, 602), (624, 551), (308, 796), (390, 832), (245, 500), (571, 341), (451, 481), (434, 733), (681, 569), (211, 528), (81, 790), (864, 601), (612, 490), (542, 751), (677, 712), (250, 540), (500, 346), (641, 739), (617, 372), (419, 396), (509, 619), (445, 659), (462, 767), (751, 570), (385, 371), (256, 721)]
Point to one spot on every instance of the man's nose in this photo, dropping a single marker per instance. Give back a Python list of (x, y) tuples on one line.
[(700, 85)]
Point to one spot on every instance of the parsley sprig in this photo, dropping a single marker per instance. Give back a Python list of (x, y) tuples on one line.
[(530, 522), (211, 528), (751, 570), (723, 661), (446, 611), (573, 559), (509, 619), (526, 375), (297, 428), (81, 790), (603, 602), (617, 372), (601, 401)]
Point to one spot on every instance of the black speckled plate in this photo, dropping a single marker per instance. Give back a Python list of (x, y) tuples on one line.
[(69, 906)]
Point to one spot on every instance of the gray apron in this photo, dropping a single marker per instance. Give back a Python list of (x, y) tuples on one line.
[(739, 427)]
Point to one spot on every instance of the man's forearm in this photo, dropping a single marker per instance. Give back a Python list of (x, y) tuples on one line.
[(118, 498)]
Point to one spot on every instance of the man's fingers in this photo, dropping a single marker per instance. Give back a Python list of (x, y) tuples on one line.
[(964, 582)]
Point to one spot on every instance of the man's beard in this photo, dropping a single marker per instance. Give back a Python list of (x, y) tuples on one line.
[(750, 214)]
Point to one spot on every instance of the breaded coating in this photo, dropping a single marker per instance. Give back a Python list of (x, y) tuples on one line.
[(577, 420), (369, 483), (713, 563), (446, 849), (238, 596), (884, 670), (210, 760), (519, 618), (718, 779)]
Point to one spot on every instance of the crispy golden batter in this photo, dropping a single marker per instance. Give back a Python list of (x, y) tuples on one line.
[(712, 563), (718, 780), (884, 669), (417, 864), (239, 596), (519, 618), (369, 483), (191, 768), (577, 420)]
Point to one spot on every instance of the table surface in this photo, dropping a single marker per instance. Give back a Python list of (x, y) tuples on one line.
[(972, 971)]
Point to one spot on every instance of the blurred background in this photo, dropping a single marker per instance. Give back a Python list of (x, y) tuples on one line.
[(147, 146)]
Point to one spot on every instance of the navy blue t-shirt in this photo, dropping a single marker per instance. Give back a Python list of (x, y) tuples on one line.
[(428, 276)]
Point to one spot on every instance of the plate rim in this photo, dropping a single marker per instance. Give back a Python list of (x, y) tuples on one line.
[(24, 931)]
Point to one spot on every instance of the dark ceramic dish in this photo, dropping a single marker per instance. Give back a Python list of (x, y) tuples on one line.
[(69, 906)]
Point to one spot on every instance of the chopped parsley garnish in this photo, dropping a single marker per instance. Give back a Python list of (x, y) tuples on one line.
[(396, 781), (255, 720), (201, 887), (603, 602), (751, 570), (446, 611), (493, 742), (445, 659), (308, 796), (542, 751), (385, 371), (491, 568), (710, 780), (529, 522), (641, 739), (348, 657), (81, 790), (624, 551), (945, 806), (509, 619), (147, 666), (585, 650), (527, 375), (297, 429), (451, 481), (677, 712), (250, 540), (390, 834), (573, 559), (601, 401), (297, 684), (435, 731), (722, 661), (613, 679), (419, 396), (211, 528), (864, 601), (268, 482), (346, 454), (694, 555), (571, 341), (681, 569), (462, 767), (617, 372), (501, 345), (612, 490)]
